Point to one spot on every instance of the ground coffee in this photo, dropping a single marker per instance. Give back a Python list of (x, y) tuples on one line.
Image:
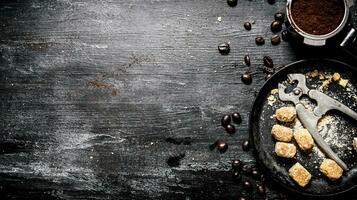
[(317, 17)]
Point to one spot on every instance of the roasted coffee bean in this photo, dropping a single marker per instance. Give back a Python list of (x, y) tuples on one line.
[(236, 118), (259, 40), (279, 16), (232, 3), (247, 185), (242, 198), (271, 1), (275, 40), (255, 174), (267, 76), (246, 78), (261, 189), (224, 48), (247, 60), (226, 119), (276, 26), (247, 169), (285, 35), (268, 62), (236, 176), (268, 70), (246, 145), (237, 165), (230, 129), (247, 26), (221, 145)]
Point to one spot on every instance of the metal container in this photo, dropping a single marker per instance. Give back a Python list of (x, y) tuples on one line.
[(348, 36)]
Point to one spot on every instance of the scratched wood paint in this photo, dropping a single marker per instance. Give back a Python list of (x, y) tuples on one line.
[(97, 95)]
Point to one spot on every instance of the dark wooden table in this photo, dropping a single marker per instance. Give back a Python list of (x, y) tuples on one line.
[(97, 96)]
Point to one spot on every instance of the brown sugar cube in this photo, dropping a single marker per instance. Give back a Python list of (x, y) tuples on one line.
[(343, 82), (304, 139), (285, 114), (285, 150), (336, 76), (355, 143), (300, 175), (331, 169), (282, 133)]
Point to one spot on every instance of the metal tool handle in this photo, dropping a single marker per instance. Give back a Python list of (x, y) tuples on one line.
[(309, 120), (349, 43), (326, 103)]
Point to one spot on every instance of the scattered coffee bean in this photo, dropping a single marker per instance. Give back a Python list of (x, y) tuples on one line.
[(247, 26), (247, 169), (275, 40), (226, 119), (247, 60), (271, 1), (236, 118), (246, 145), (285, 35), (232, 3), (255, 174), (221, 145), (276, 26), (236, 176), (268, 70), (267, 76), (279, 16), (261, 189), (242, 198), (237, 165), (259, 40), (247, 186), (224, 48), (246, 78), (230, 129), (268, 62)]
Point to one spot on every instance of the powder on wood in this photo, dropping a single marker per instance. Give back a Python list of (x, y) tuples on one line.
[(317, 17)]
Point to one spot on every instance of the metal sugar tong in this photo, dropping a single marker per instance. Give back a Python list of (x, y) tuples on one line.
[(310, 119)]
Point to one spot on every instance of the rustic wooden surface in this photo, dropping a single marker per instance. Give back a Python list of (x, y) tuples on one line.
[(95, 95)]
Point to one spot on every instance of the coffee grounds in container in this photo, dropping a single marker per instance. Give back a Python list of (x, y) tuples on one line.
[(317, 17)]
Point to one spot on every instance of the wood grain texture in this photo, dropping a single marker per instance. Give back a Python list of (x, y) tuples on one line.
[(91, 90)]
